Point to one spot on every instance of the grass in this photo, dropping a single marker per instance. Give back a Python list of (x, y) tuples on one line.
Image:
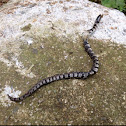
[(116, 4)]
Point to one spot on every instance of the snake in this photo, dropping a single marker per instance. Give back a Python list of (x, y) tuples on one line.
[(70, 75)]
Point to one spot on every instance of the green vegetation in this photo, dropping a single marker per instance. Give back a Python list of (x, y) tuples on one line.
[(116, 4)]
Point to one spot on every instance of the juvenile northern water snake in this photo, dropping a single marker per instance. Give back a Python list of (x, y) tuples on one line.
[(71, 75)]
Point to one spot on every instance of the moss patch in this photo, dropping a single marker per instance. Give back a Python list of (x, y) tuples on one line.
[(99, 99), (26, 28)]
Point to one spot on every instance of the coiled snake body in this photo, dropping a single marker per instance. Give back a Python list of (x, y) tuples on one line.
[(71, 75)]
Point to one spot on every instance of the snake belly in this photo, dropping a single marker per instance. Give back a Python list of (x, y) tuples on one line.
[(71, 75)]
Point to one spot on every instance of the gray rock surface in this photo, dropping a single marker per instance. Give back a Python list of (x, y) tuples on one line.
[(40, 38)]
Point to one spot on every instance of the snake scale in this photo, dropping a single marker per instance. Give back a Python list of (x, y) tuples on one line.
[(71, 75)]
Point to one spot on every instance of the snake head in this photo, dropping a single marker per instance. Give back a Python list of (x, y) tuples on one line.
[(98, 18)]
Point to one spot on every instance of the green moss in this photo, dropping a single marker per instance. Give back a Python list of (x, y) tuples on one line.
[(99, 99), (26, 28)]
